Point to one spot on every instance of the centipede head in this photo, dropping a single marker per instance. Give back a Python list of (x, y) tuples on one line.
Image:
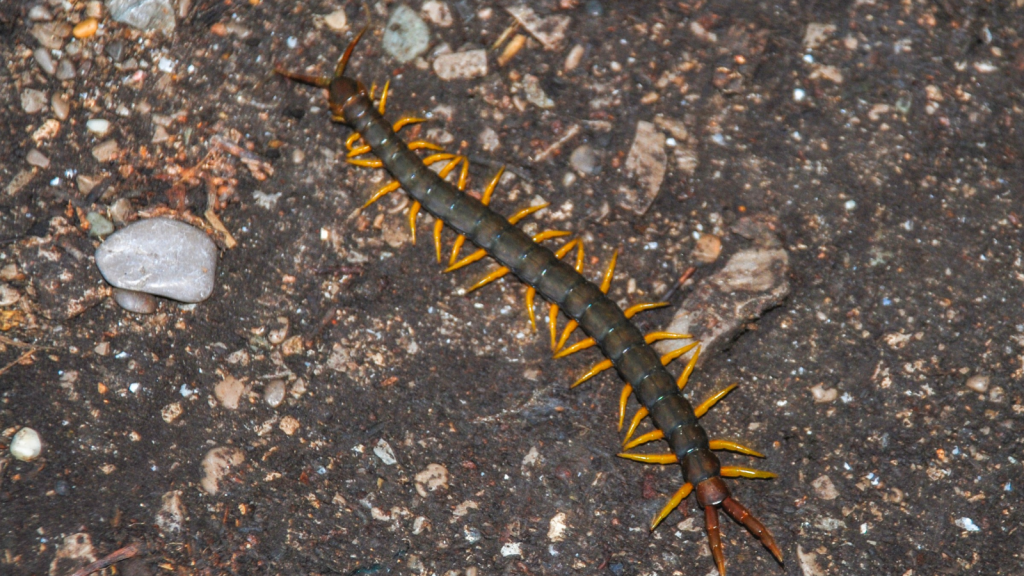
[(340, 88)]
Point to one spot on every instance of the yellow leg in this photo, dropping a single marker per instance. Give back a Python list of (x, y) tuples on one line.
[(677, 353), (650, 458), (423, 145), (515, 218), (464, 175), (352, 152), (486, 198), (744, 472), (734, 447), (673, 502), (405, 121), (488, 279), (456, 248), (480, 254), (627, 391), (351, 140), (531, 292), (685, 376), (566, 333), (652, 337), (382, 192), (435, 158), (597, 369), (374, 163), (553, 324), (606, 281), (643, 439), (414, 210), (707, 404), (637, 308), (383, 98), (438, 227), (637, 418), (581, 345)]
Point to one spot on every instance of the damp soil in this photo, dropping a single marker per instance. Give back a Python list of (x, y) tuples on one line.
[(887, 154)]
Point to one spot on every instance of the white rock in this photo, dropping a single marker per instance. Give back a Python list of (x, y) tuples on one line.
[(461, 65), (98, 126), (336, 21), (216, 464), (33, 101), (385, 453), (437, 13), (26, 445), (162, 257)]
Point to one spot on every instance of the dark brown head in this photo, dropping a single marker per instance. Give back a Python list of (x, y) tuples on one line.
[(341, 90), (340, 87)]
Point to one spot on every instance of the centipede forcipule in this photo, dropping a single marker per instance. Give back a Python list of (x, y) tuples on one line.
[(607, 326)]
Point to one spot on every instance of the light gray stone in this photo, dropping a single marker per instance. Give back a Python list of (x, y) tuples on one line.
[(26, 445), (144, 14), (406, 35), (461, 65), (45, 61), (33, 101), (162, 257), (274, 392)]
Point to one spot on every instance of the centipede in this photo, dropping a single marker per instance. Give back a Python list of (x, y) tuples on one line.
[(375, 143)]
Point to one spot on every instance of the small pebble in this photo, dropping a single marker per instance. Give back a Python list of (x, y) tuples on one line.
[(85, 28), (105, 151), (37, 158), (978, 383), (707, 249), (461, 65), (144, 14), (98, 126), (39, 13), (824, 395), (572, 61), (385, 453), (65, 69), (61, 106), (51, 34), (160, 256), (824, 488), (229, 391), (26, 445), (62, 488), (336, 21), (45, 61), (137, 302), (115, 50), (120, 210), (33, 101), (535, 94), (99, 226), (585, 160), (406, 36), (289, 425), (438, 13), (94, 9), (273, 393), (216, 464)]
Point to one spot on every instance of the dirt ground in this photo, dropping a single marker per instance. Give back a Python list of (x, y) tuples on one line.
[(424, 431)]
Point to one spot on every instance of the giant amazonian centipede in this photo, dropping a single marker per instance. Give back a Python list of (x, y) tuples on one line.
[(543, 271)]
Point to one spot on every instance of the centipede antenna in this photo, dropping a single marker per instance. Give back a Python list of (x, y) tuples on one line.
[(339, 70), (308, 79)]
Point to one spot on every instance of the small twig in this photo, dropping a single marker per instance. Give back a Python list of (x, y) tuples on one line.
[(125, 553), (18, 344), (24, 355), (569, 135), (682, 280)]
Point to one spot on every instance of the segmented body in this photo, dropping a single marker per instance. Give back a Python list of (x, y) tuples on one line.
[(568, 291), (537, 266)]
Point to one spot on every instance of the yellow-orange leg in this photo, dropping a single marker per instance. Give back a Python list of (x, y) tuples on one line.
[(672, 504), (439, 224), (500, 272), (414, 210)]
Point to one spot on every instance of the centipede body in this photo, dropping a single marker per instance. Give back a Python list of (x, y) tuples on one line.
[(609, 327)]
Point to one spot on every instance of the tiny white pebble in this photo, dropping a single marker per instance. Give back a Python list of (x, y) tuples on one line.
[(799, 94), (98, 126), (850, 204), (809, 58), (134, 387), (166, 64), (26, 445)]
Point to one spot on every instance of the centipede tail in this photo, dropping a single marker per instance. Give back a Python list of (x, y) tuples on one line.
[(606, 326)]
